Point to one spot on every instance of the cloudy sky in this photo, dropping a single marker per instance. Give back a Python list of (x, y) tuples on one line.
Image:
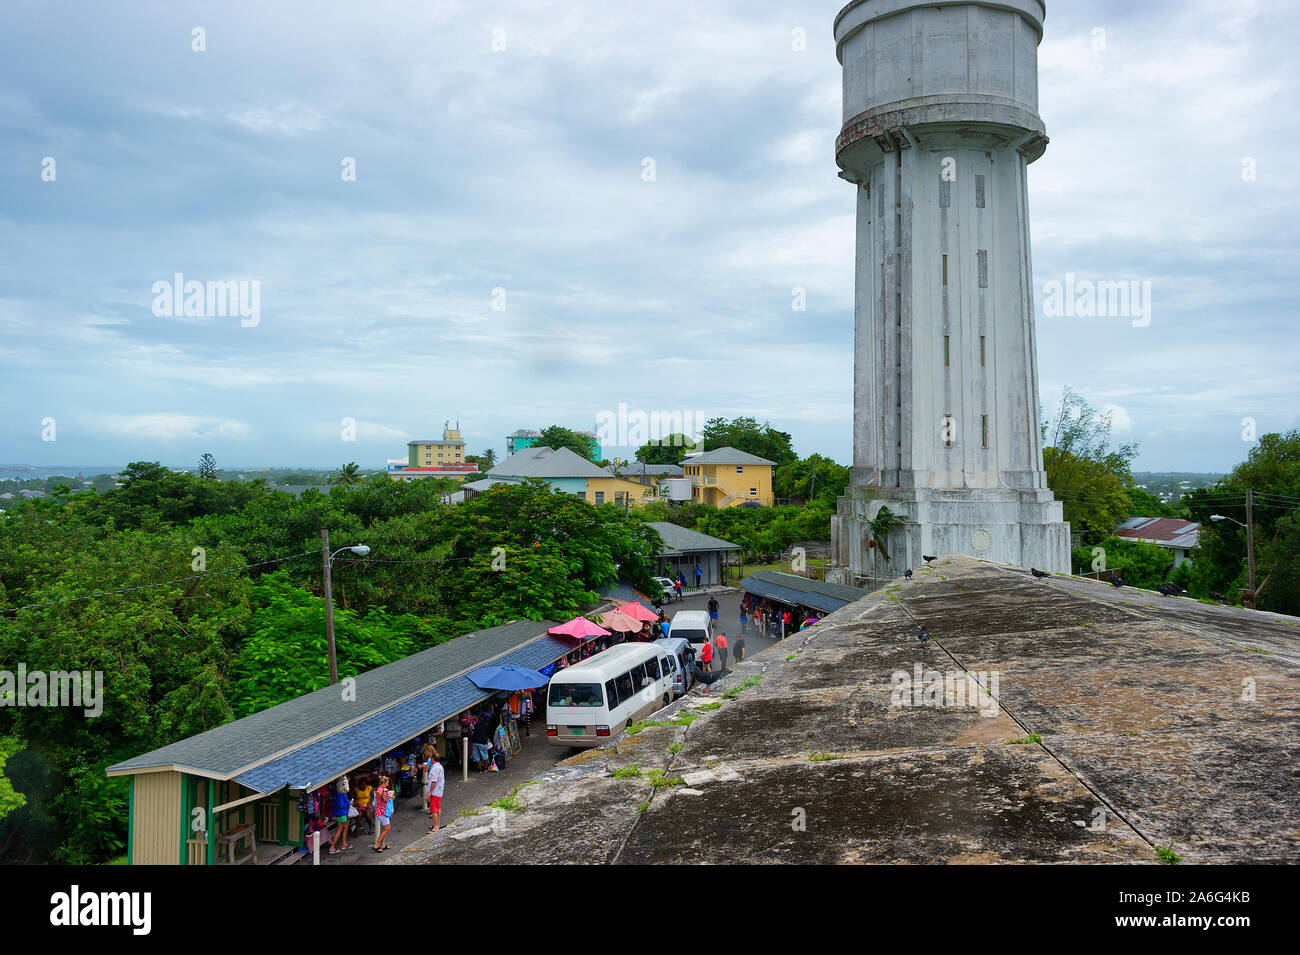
[(503, 256)]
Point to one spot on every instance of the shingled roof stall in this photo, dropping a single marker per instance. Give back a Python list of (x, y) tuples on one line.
[(686, 549), (250, 770), (796, 591)]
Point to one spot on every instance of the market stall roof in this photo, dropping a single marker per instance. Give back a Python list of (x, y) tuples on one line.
[(795, 590), (680, 540), (268, 749)]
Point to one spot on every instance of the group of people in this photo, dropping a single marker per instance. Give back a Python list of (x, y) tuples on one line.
[(773, 619), (341, 809)]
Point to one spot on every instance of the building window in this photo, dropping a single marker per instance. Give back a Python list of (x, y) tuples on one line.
[(948, 428), (984, 430), (945, 351), (981, 351), (753, 492), (740, 469), (600, 497), (945, 270)]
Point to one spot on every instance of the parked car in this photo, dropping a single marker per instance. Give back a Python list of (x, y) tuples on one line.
[(667, 585)]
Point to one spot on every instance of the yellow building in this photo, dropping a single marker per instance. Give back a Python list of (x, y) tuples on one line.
[(727, 477), (614, 490), (431, 454)]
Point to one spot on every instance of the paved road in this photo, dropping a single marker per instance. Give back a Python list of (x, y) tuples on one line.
[(728, 619)]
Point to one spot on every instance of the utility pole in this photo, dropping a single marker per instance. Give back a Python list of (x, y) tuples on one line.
[(1250, 546), (329, 603)]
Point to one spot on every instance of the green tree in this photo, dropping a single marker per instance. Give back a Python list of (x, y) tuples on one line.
[(667, 450), (557, 436), (208, 468), (812, 478), (1087, 475), (9, 800), (348, 475), (1140, 564), (746, 434), (1272, 472)]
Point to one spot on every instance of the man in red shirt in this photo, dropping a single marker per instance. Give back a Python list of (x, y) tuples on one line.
[(706, 656), (721, 644)]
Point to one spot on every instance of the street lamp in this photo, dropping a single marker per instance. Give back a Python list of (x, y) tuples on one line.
[(1249, 595), (327, 562)]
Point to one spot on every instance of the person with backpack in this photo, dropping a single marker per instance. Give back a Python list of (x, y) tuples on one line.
[(383, 814)]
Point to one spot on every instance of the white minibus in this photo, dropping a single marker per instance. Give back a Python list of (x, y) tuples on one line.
[(605, 693)]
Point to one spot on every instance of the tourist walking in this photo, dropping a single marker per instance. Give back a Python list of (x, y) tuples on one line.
[(433, 791), (713, 608), (383, 814), (678, 584), (744, 617), (740, 649), (706, 656), (720, 643)]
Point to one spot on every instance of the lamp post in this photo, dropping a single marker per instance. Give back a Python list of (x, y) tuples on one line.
[(327, 562), (1249, 595)]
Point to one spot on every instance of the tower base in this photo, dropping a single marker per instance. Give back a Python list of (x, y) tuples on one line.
[(1022, 527)]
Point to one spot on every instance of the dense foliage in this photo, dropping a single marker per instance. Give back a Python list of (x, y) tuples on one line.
[(200, 601)]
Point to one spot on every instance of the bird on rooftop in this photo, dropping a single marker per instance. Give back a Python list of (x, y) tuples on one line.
[(923, 636), (908, 572), (1215, 595), (1116, 580), (1167, 589), (1040, 574), (927, 558)]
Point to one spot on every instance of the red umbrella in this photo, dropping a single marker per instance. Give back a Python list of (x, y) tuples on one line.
[(638, 611), (579, 628)]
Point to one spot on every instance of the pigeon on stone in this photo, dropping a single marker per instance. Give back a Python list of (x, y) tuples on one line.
[(1116, 580), (908, 572), (924, 636), (1040, 574), (927, 558), (1215, 595)]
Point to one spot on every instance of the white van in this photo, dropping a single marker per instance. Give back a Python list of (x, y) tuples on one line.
[(680, 657), (692, 625), (602, 695)]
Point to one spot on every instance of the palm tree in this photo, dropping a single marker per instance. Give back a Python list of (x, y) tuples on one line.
[(348, 474), (486, 460)]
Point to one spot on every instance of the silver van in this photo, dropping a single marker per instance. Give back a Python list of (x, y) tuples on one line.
[(680, 657)]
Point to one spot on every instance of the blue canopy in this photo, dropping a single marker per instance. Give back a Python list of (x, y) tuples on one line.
[(507, 677)]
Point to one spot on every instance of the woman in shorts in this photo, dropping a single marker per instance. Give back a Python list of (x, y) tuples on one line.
[(382, 821)]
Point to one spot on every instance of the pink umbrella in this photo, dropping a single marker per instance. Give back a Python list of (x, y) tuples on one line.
[(615, 620), (579, 628), (638, 611)]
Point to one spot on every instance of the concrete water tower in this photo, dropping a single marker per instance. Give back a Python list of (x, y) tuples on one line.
[(940, 126)]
